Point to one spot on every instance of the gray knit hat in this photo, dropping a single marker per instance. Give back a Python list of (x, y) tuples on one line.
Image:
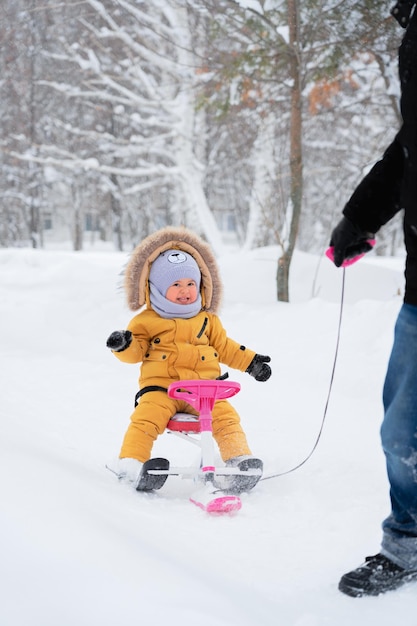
[(173, 265)]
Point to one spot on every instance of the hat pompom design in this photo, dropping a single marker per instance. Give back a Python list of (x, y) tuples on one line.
[(173, 265)]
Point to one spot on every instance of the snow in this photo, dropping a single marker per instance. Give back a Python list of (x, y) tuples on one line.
[(78, 548)]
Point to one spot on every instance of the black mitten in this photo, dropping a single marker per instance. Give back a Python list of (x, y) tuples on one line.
[(402, 10), (258, 367), (349, 241), (119, 340)]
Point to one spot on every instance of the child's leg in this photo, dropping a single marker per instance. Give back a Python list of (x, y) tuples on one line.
[(148, 420), (228, 432)]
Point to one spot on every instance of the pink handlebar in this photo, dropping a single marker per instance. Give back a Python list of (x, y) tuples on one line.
[(203, 393)]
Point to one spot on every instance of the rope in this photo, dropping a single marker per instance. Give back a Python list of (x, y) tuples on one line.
[(296, 467)]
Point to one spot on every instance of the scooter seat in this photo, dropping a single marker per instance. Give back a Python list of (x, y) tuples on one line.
[(184, 422)]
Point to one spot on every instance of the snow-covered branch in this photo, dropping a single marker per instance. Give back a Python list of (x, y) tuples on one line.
[(76, 164)]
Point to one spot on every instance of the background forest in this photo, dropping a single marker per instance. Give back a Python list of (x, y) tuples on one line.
[(248, 121)]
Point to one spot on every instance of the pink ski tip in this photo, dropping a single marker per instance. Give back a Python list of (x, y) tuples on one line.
[(224, 504), (220, 504), (330, 254)]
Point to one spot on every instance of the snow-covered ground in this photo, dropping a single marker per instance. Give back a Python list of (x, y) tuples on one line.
[(78, 548)]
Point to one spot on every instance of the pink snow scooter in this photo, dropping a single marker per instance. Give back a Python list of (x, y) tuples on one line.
[(219, 487)]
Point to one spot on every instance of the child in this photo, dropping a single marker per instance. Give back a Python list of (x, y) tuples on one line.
[(178, 336)]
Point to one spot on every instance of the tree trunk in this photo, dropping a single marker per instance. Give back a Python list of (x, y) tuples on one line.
[(283, 273), (78, 229), (35, 216), (296, 160), (116, 215), (191, 169), (261, 193)]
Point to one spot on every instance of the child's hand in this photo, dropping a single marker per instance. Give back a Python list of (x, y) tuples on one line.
[(259, 369), (119, 340)]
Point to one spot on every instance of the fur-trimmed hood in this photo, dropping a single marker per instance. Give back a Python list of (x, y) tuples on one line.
[(137, 270)]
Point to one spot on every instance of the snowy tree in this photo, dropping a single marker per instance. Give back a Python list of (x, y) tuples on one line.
[(269, 63), (20, 44), (131, 74), (352, 115), (127, 117)]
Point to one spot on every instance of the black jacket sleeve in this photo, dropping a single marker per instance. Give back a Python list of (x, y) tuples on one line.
[(377, 197)]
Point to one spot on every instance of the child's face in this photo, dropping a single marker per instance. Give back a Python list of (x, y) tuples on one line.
[(183, 291)]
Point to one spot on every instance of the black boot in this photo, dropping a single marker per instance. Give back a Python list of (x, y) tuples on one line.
[(377, 575)]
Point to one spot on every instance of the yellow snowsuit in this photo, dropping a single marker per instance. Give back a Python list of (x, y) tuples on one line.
[(175, 349)]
